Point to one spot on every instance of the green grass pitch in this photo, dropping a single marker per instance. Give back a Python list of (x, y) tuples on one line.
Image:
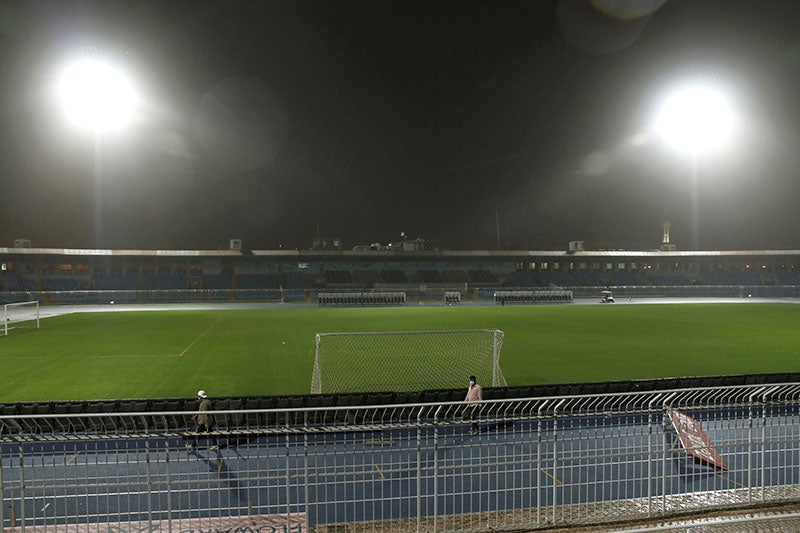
[(156, 354)]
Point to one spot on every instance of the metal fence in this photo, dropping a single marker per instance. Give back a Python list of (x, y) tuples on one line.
[(536, 463)]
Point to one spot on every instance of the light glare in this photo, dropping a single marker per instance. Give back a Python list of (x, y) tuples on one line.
[(696, 119), (96, 95)]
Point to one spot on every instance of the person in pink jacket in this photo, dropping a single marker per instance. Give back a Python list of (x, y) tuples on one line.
[(474, 396)]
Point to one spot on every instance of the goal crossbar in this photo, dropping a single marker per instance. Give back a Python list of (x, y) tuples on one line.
[(405, 360)]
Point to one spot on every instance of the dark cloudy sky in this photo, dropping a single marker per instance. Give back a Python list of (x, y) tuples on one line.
[(272, 121)]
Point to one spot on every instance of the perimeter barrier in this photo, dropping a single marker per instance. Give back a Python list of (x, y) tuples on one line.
[(414, 293), (540, 462)]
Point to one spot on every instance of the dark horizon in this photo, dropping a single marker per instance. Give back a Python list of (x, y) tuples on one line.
[(277, 122)]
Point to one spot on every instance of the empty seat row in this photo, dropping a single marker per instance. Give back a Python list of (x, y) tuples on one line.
[(115, 416)]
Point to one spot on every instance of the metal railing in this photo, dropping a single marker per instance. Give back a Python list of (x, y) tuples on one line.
[(536, 463)]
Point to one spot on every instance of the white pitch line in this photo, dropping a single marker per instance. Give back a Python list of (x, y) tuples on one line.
[(200, 336), (98, 356)]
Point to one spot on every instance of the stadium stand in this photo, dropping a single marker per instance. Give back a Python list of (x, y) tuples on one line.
[(114, 282), (787, 277), (366, 278), (393, 276), (592, 278), (218, 281), (556, 278), (521, 279), (166, 280), (29, 284), (455, 276), (746, 277), (297, 280), (711, 278), (339, 278), (8, 282), (629, 278), (668, 279), (429, 276), (482, 276), (258, 281), (155, 276), (60, 284)]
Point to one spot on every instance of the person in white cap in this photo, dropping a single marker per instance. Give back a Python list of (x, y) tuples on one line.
[(204, 419)]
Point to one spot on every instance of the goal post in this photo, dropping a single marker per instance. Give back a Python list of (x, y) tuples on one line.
[(20, 315), (406, 360)]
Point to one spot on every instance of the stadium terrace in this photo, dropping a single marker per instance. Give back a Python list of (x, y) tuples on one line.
[(82, 276)]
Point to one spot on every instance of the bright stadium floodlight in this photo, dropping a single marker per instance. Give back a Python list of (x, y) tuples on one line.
[(96, 95), (696, 119)]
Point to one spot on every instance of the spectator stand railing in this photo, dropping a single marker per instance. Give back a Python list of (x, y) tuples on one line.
[(538, 462)]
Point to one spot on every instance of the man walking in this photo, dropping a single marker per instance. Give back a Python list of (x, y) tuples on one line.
[(204, 419)]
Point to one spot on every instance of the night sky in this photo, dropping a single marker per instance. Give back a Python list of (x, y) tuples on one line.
[(476, 125)]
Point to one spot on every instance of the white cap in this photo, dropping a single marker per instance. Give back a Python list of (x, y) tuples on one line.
[(201, 394)]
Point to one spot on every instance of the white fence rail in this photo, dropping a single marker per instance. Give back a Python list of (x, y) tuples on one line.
[(537, 463)]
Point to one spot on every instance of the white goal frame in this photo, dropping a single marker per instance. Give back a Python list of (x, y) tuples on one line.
[(11, 316), (382, 361)]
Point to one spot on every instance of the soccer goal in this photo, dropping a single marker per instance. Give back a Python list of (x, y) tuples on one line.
[(21, 315), (406, 360)]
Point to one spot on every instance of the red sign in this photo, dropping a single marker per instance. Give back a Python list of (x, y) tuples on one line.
[(694, 439)]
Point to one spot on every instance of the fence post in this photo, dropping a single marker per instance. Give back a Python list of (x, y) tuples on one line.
[(650, 455), (419, 471), (21, 486), (2, 495), (168, 475), (149, 484), (539, 464), (436, 470), (764, 445), (665, 451), (750, 445), (305, 474), (288, 487), (555, 458)]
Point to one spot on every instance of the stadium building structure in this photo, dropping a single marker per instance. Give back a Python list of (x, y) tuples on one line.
[(75, 276)]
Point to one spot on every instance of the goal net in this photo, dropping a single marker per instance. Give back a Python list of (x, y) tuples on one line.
[(405, 360), (21, 315)]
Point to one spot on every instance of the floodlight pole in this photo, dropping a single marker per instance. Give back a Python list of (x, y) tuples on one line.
[(694, 201), (497, 225), (98, 189)]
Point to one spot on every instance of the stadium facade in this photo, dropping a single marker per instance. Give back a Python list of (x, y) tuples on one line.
[(74, 276)]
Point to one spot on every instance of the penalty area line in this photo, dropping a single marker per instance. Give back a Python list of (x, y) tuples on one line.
[(99, 356), (202, 334)]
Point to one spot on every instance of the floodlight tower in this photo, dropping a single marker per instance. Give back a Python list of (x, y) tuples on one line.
[(666, 246), (694, 120), (97, 98)]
